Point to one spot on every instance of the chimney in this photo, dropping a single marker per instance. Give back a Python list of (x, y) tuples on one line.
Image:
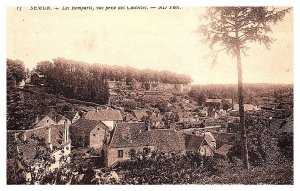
[(16, 136), (37, 119), (97, 109), (49, 138), (148, 126), (66, 131)]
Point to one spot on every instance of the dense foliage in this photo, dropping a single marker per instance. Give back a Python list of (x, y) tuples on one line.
[(253, 93), (15, 70), (194, 169), (74, 80), (117, 73), (19, 163), (262, 148)]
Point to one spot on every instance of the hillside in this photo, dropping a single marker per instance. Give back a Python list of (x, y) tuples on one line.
[(24, 105)]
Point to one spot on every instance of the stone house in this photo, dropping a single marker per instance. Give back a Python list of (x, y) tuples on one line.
[(247, 107), (129, 139), (185, 117), (203, 144), (89, 133), (108, 117), (37, 79)]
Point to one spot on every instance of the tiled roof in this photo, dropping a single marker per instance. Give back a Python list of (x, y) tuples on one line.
[(167, 140), (222, 138), (57, 135), (130, 135), (70, 115), (42, 120), (277, 123), (287, 127), (41, 132), (135, 135), (185, 114), (84, 126), (140, 113), (223, 150), (209, 137), (104, 115), (58, 118), (38, 74), (193, 142)]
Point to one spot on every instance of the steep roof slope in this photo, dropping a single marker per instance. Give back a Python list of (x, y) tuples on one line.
[(84, 126)]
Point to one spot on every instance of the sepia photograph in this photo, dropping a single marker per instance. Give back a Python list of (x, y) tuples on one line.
[(150, 95)]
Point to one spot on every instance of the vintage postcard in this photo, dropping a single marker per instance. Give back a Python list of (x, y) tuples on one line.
[(150, 95)]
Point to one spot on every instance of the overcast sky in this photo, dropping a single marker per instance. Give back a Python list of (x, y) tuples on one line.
[(157, 39)]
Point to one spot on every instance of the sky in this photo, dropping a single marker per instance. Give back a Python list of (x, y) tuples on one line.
[(156, 39)]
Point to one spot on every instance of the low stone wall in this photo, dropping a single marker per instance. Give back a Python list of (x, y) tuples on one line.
[(173, 88)]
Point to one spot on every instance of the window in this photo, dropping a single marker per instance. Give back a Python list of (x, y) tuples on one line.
[(120, 153), (98, 128), (94, 135), (145, 151)]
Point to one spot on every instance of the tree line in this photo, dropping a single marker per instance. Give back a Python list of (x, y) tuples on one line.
[(117, 73), (253, 93), (88, 82), (74, 80)]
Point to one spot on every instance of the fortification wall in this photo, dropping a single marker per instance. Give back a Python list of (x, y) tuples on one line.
[(173, 88)]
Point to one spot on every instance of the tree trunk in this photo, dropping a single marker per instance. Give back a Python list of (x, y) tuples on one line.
[(241, 108)]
